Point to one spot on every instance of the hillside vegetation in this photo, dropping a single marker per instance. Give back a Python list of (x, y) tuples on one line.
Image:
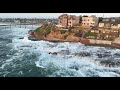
[(50, 31), (43, 30)]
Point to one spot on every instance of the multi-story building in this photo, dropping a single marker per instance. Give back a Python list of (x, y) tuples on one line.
[(73, 20), (89, 21), (110, 23), (63, 20), (68, 20)]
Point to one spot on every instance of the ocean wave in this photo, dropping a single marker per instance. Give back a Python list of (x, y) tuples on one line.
[(60, 59)]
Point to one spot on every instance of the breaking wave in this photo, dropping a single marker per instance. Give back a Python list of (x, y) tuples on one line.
[(26, 58)]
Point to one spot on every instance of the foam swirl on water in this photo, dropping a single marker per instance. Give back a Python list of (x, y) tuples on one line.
[(44, 58)]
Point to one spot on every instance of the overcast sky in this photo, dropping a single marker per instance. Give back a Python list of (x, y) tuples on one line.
[(52, 15)]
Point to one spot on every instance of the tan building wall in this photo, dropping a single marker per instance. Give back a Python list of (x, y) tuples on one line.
[(101, 24), (63, 20), (114, 26), (89, 21), (100, 41), (73, 20), (118, 26), (108, 25), (68, 20)]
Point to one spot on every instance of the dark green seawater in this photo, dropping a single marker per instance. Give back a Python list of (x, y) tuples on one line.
[(20, 57)]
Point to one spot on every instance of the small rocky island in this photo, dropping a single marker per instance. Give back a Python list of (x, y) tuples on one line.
[(55, 34), (89, 30)]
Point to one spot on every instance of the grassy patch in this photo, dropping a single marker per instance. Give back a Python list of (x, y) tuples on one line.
[(44, 30), (90, 34), (63, 31)]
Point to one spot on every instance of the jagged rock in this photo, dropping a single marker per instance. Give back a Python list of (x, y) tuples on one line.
[(21, 38), (54, 53), (64, 52), (99, 55), (76, 67), (104, 55), (117, 55), (26, 46), (33, 38), (110, 63), (83, 54)]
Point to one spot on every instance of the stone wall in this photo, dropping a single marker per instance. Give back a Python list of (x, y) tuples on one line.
[(117, 40), (92, 41)]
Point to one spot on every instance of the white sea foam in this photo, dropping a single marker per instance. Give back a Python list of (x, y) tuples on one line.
[(66, 65)]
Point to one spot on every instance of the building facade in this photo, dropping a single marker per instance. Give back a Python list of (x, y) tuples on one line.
[(68, 20), (110, 23), (89, 21), (101, 24)]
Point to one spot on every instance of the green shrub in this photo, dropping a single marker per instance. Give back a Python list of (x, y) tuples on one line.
[(44, 30), (63, 31), (90, 34)]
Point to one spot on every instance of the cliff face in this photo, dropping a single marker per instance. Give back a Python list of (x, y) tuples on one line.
[(65, 36), (59, 35), (72, 38), (55, 34), (117, 40)]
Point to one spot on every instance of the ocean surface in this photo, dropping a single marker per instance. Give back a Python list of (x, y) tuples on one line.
[(20, 57)]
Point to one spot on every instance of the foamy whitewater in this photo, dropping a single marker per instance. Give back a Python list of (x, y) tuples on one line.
[(20, 57)]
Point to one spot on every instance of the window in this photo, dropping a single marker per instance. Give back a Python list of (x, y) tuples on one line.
[(93, 23), (84, 23), (88, 19), (87, 23)]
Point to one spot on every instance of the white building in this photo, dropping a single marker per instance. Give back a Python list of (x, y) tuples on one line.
[(89, 21)]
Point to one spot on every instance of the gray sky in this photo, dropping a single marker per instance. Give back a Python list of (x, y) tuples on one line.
[(52, 15)]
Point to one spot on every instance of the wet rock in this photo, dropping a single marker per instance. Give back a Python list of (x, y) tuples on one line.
[(49, 52), (21, 38), (74, 67), (64, 52), (83, 54), (32, 38), (54, 53), (26, 46), (51, 45), (99, 55), (109, 62), (104, 55), (117, 54)]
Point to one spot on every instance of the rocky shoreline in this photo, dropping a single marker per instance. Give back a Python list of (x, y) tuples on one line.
[(102, 43)]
